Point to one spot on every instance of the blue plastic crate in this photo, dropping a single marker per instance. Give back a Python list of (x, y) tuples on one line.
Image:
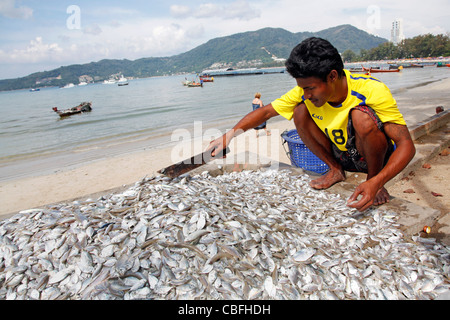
[(300, 155)]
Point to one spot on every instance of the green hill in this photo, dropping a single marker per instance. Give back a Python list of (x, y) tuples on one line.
[(248, 49)]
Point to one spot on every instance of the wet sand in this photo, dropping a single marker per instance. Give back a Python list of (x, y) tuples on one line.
[(68, 183)]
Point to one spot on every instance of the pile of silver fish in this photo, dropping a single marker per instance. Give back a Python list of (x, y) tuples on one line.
[(247, 235)]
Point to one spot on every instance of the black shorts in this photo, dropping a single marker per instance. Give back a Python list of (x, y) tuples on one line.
[(261, 126), (351, 160)]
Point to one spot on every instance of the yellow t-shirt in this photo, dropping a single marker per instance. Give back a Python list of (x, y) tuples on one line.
[(362, 90)]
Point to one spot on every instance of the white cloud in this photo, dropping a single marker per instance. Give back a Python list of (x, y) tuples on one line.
[(93, 29), (106, 10), (9, 10), (195, 31), (115, 24), (165, 38), (178, 11), (298, 16), (144, 38), (141, 38), (421, 29), (137, 32), (37, 51), (208, 10), (240, 10)]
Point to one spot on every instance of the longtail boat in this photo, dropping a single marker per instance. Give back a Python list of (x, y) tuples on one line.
[(81, 108), (372, 70)]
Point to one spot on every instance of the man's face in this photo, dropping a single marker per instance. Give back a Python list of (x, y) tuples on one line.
[(315, 90)]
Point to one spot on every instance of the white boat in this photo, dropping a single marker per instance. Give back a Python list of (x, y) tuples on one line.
[(82, 83), (110, 81), (67, 86), (122, 81)]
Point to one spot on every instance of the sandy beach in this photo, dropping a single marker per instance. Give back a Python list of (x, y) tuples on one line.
[(416, 104)]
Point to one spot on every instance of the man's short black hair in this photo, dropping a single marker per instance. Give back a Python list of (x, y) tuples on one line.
[(314, 57)]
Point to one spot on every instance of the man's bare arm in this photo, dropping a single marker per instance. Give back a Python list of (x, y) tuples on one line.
[(250, 121), (405, 151)]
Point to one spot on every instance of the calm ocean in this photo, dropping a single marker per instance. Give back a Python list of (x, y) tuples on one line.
[(139, 116)]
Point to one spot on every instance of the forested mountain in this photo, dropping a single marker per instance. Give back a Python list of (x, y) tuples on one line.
[(249, 49)]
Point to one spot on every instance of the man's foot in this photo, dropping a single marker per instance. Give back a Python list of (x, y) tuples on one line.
[(382, 197), (326, 181)]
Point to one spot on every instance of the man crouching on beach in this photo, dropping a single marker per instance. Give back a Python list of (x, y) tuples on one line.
[(351, 122)]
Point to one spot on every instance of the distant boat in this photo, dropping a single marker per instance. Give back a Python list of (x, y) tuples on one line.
[(34, 89), (67, 86), (110, 81), (405, 65), (206, 78), (195, 84), (81, 108), (372, 70), (122, 81), (357, 70), (242, 72), (442, 64), (82, 83)]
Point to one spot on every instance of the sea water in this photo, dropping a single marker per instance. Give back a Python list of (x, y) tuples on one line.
[(141, 115)]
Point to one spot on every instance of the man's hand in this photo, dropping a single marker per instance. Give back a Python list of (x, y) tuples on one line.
[(250, 121), (368, 190), (216, 146), (397, 162)]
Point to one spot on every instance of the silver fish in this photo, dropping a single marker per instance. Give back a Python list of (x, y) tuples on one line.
[(240, 235)]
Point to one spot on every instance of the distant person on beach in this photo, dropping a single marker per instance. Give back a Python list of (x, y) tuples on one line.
[(257, 103), (350, 122)]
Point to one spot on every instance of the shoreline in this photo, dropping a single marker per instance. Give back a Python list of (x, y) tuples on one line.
[(94, 176), (42, 164)]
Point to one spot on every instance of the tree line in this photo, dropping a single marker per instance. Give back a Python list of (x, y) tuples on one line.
[(422, 46)]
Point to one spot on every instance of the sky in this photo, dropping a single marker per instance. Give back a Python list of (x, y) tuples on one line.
[(41, 35)]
